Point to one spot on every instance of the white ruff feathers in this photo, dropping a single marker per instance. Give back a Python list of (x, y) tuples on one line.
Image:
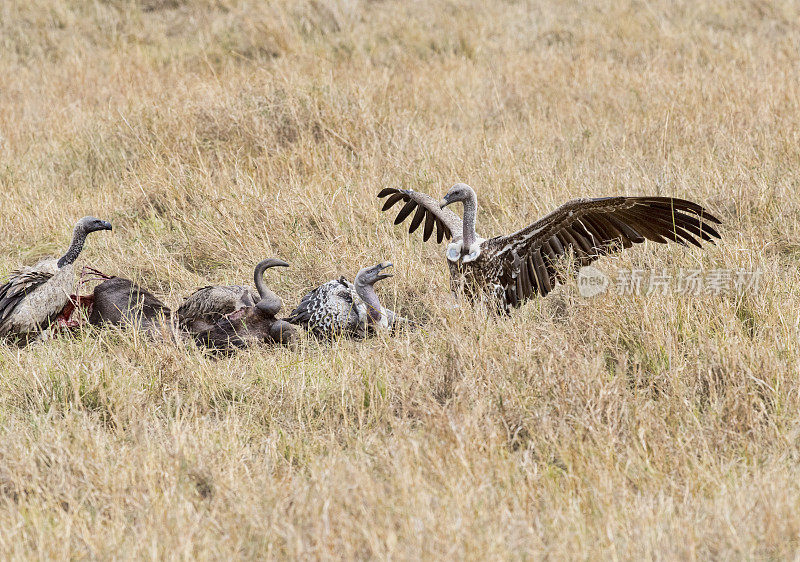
[(454, 251)]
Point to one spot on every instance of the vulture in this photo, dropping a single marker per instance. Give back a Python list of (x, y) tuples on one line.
[(205, 307), (35, 296), (341, 308), (238, 327), (121, 302), (508, 270)]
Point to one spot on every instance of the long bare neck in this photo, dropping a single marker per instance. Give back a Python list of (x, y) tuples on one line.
[(74, 250), (470, 210), (370, 297)]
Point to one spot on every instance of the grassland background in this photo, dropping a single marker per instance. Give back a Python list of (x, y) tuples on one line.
[(216, 133)]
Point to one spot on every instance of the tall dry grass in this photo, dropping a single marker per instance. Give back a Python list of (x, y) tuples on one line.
[(214, 133)]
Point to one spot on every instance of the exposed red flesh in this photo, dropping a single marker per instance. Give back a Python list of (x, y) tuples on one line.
[(70, 317)]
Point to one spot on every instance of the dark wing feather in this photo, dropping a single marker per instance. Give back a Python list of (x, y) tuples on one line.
[(216, 301), (301, 315), (192, 306), (448, 224), (19, 284), (590, 228)]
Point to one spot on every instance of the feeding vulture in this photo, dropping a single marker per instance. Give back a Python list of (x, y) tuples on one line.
[(205, 307), (34, 296), (238, 327)]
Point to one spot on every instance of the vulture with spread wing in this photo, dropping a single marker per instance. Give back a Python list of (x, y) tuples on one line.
[(34, 296), (511, 269)]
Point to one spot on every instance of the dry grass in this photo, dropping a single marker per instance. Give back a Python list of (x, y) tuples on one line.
[(214, 133)]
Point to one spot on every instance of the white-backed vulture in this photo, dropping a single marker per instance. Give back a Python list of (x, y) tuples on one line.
[(205, 307), (252, 324), (34, 296)]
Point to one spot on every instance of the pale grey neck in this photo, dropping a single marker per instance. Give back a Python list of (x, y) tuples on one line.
[(74, 250), (470, 210), (370, 298)]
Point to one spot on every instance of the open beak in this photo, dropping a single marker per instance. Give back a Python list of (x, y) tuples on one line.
[(380, 267)]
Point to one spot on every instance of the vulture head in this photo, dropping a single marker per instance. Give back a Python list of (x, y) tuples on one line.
[(459, 192), (364, 283), (82, 230), (91, 224), (468, 248), (371, 275)]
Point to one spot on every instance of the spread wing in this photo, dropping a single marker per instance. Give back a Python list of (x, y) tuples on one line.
[(592, 228), (19, 284), (448, 224)]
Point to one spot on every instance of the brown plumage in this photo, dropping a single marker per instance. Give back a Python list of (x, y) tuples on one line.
[(205, 307), (252, 324), (511, 269)]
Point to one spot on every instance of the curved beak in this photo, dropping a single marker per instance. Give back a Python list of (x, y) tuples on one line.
[(107, 225), (444, 202), (380, 267)]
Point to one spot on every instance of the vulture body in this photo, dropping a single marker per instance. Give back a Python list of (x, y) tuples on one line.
[(508, 270), (205, 307), (121, 302), (248, 325), (34, 296), (340, 308)]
